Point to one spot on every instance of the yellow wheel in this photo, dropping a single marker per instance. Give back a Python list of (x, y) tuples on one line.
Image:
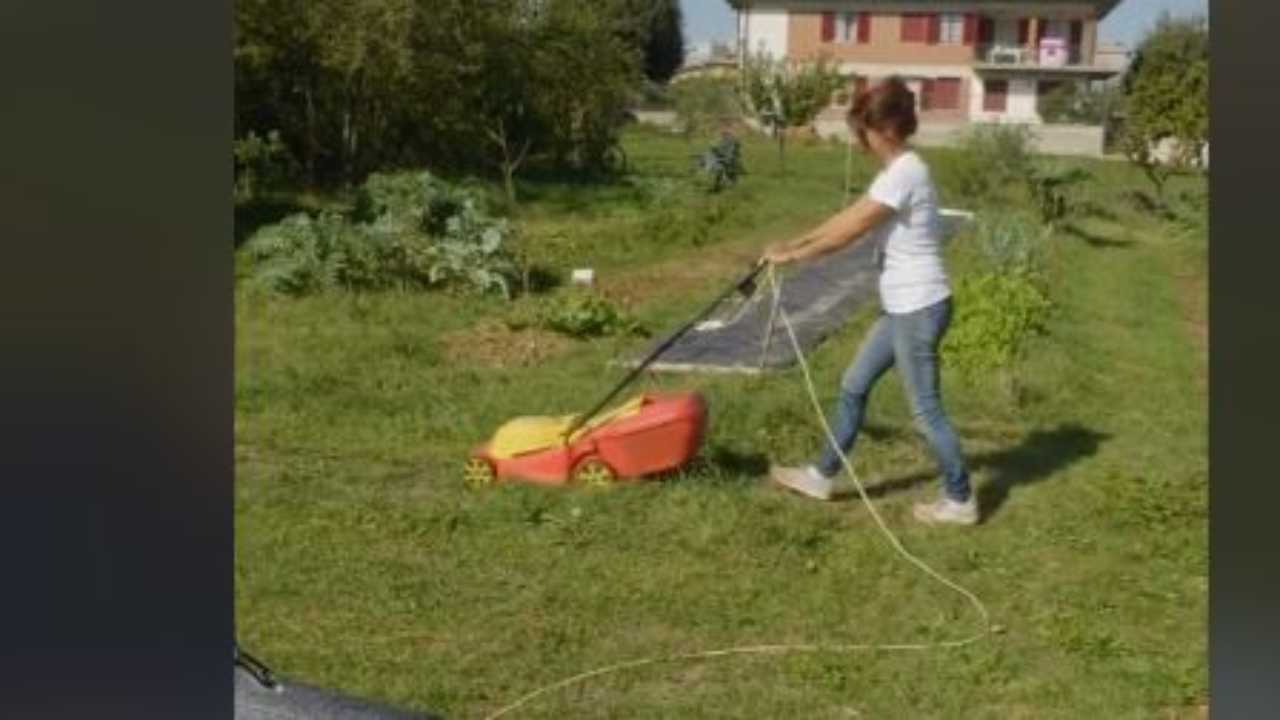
[(479, 473), (594, 473)]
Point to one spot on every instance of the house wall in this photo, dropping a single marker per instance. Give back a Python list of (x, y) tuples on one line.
[(766, 28), (885, 44), (1074, 140), (1021, 105)]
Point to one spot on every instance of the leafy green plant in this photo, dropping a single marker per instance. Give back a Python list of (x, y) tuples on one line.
[(408, 231), (1053, 188), (578, 314), (995, 315), (722, 162), (1011, 245)]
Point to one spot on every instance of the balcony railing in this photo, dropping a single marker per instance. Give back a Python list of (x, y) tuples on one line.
[(1046, 54)]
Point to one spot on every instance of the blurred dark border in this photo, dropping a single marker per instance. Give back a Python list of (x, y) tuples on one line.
[(116, 369), (1245, 334)]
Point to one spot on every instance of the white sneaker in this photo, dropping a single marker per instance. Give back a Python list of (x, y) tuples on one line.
[(804, 480), (946, 510)]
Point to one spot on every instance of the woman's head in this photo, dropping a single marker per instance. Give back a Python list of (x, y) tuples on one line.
[(884, 116)]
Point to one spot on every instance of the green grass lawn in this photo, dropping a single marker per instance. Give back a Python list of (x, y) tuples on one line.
[(365, 565)]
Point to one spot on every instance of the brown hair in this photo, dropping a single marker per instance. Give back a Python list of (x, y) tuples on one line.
[(888, 106)]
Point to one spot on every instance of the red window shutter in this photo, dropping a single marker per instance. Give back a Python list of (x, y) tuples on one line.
[(1024, 30), (995, 96), (986, 31), (935, 28), (915, 27), (1041, 28), (970, 28), (945, 94), (828, 26), (926, 94), (1077, 32), (864, 27)]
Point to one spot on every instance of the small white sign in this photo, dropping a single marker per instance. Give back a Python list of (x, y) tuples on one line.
[(584, 276)]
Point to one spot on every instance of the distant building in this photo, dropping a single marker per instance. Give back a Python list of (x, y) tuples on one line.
[(708, 59), (968, 60)]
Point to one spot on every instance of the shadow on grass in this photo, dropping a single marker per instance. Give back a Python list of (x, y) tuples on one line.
[(1037, 457), (539, 279), (1095, 240), (722, 463)]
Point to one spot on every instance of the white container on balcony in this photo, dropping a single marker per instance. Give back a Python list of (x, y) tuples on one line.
[(1053, 52)]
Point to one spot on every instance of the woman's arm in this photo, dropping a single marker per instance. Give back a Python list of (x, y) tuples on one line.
[(842, 229)]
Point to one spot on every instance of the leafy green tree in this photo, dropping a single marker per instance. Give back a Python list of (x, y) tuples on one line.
[(703, 103), (325, 74), (1167, 97), (783, 95), (656, 27), (355, 86)]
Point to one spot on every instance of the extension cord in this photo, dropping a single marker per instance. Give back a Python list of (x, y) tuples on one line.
[(777, 311)]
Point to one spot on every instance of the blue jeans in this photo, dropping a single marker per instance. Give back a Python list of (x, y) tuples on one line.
[(911, 342)]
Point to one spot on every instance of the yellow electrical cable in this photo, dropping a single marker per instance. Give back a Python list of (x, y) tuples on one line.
[(776, 288)]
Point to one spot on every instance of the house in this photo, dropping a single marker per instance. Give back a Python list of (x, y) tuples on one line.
[(707, 59), (966, 61)]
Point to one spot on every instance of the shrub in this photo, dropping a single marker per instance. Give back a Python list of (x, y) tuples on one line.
[(1004, 302), (995, 314), (407, 232), (578, 314), (992, 158), (701, 103), (1011, 245)]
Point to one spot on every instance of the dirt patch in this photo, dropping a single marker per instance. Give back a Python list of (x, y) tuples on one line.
[(494, 345)]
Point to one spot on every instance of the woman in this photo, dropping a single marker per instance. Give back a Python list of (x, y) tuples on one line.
[(900, 214)]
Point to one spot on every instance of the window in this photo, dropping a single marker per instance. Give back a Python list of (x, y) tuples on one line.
[(941, 94), (995, 96), (951, 29), (848, 27), (915, 27)]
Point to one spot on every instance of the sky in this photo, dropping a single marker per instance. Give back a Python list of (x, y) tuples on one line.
[(713, 19)]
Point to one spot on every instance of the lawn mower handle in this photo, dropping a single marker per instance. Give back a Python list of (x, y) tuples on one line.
[(744, 285)]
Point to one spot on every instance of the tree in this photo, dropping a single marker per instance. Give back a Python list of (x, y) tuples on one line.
[(703, 103), (656, 28), (354, 86), (1167, 97), (783, 95), (325, 74)]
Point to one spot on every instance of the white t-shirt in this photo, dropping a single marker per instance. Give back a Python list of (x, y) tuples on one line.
[(912, 275)]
